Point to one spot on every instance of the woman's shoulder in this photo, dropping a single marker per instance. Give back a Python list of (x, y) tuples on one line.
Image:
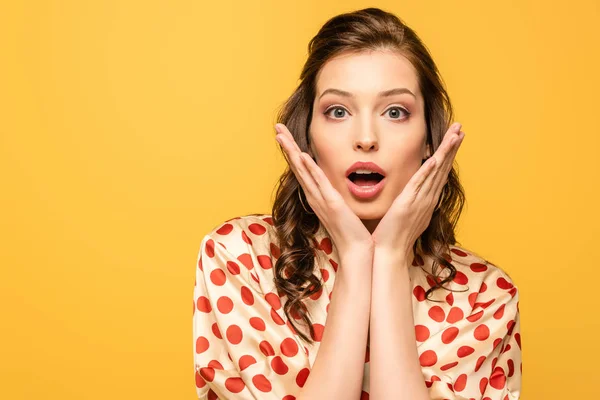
[(474, 268), (242, 233)]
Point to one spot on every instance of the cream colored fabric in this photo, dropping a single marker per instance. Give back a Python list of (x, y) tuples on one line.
[(469, 343)]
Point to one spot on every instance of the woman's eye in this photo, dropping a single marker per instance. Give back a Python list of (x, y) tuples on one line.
[(396, 112), (343, 110)]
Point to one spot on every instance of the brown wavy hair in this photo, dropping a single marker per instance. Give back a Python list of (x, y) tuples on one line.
[(362, 30)]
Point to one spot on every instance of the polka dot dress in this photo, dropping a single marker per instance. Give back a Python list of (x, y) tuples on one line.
[(469, 341)]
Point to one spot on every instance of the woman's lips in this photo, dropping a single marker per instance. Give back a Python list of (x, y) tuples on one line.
[(365, 192)]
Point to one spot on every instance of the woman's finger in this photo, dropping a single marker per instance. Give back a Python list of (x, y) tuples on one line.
[(293, 159), (439, 183), (303, 173), (312, 186), (415, 183), (444, 158), (282, 129), (324, 186)]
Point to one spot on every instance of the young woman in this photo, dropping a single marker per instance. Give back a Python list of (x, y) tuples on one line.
[(368, 206)]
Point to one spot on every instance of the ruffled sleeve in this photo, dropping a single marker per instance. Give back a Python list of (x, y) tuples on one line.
[(243, 348), (481, 352)]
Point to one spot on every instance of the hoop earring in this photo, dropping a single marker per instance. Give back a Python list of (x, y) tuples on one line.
[(301, 202)]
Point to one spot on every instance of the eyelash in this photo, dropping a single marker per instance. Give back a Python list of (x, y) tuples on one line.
[(391, 108)]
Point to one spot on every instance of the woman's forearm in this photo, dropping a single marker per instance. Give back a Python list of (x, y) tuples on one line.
[(338, 369), (395, 370)]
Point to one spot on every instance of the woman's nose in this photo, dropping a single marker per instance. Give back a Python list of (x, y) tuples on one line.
[(366, 142)]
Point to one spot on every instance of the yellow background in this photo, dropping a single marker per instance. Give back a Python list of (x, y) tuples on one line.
[(130, 128)]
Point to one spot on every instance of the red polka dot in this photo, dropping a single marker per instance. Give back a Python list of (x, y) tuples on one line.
[(246, 259), (218, 277), (326, 245), (275, 250), (503, 284), (318, 335), (421, 332), (233, 268), (496, 342), (479, 362), (273, 300), (511, 367), (458, 252), (478, 267), (419, 293), (200, 382), (518, 339), (499, 312), (302, 377), (234, 334), (449, 365), (203, 304), (212, 395), (483, 287), (498, 379), (216, 331), (334, 265), (209, 249), (224, 305), (257, 229), (266, 348), (461, 278), (247, 296), (245, 238), (449, 334), (464, 351), (289, 397), (460, 383), (277, 318), (482, 332), (484, 304), (472, 298), (364, 395), (202, 344), (482, 385), (316, 295), (246, 361), (450, 298), (289, 347), (428, 358), (264, 261), (234, 385), (207, 373), (225, 229), (279, 366), (258, 323), (417, 261), (436, 313), (475, 317), (325, 274), (261, 383), (454, 315)]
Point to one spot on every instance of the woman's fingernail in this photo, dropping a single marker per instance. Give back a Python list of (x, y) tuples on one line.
[(278, 128), (278, 139), (457, 127)]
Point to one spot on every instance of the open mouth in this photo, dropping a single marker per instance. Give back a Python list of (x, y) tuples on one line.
[(365, 179)]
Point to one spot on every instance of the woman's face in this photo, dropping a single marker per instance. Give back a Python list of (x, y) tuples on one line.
[(367, 126)]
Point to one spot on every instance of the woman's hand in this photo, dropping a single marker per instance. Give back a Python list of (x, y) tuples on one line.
[(345, 228), (410, 213)]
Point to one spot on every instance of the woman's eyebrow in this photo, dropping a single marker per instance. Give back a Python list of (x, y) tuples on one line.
[(385, 93)]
